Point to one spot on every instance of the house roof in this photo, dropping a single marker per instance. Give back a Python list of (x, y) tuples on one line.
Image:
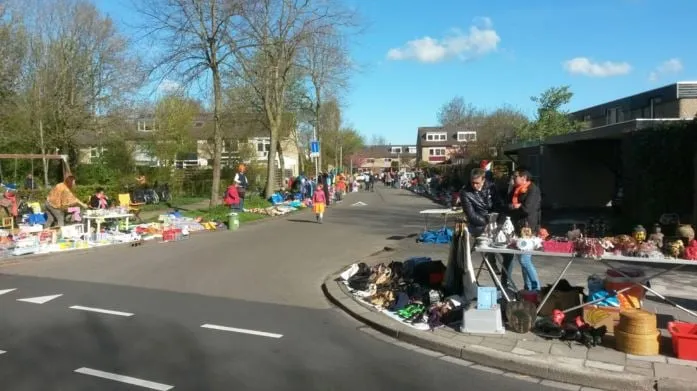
[(384, 151), (240, 126), (451, 140), (613, 131)]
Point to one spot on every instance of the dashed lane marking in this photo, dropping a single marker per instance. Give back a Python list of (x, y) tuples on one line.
[(101, 311), (2, 292), (124, 379), (40, 299), (241, 331)]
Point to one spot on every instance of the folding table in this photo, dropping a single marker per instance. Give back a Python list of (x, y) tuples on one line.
[(443, 212), (670, 265)]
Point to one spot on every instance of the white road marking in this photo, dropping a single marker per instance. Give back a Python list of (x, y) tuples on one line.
[(241, 331), (101, 310), (40, 299), (359, 203), (2, 352), (124, 379), (2, 292)]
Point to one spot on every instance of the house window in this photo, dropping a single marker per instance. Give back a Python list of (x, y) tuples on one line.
[(96, 152), (396, 149), (387, 160), (230, 146), (263, 146), (466, 136), (411, 150), (587, 118), (436, 136), (371, 161), (146, 126), (436, 151), (198, 124), (612, 115)]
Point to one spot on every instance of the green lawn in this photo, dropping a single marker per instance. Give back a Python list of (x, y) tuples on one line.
[(221, 212), (176, 201)]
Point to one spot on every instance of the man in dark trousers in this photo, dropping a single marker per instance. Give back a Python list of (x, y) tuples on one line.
[(524, 208), (479, 199)]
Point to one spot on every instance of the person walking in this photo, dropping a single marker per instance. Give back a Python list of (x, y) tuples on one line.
[(524, 208), (319, 202)]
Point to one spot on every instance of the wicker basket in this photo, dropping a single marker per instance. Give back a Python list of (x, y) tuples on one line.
[(637, 322), (638, 345)]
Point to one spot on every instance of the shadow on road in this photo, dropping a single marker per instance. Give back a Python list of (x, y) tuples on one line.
[(301, 221)]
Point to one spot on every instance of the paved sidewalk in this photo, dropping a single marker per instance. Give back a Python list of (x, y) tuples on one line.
[(527, 354)]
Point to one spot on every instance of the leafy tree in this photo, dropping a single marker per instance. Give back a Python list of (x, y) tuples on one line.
[(552, 119), (174, 116)]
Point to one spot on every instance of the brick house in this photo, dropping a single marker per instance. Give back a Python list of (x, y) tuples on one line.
[(242, 139), (438, 144), (379, 157)]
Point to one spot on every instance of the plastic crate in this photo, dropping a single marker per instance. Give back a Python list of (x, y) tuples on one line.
[(171, 235), (555, 246), (684, 337)]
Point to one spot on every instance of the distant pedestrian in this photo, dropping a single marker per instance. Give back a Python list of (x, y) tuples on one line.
[(319, 202), (241, 182)]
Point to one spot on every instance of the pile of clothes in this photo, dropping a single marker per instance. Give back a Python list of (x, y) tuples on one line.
[(411, 290)]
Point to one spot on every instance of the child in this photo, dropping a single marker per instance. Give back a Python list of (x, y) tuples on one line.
[(319, 201)]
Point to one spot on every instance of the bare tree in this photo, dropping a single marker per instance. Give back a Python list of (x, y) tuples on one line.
[(325, 60), (198, 37), (458, 113), (278, 29)]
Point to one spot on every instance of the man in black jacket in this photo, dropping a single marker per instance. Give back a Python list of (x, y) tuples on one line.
[(479, 199), (524, 208)]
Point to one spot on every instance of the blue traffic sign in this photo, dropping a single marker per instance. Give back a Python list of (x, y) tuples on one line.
[(314, 146)]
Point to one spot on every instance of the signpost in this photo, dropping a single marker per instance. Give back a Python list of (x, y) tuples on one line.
[(314, 154)]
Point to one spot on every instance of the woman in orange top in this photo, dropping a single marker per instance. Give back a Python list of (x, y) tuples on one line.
[(59, 199)]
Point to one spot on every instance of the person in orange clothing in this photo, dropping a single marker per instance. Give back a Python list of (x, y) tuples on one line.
[(341, 188), (59, 199)]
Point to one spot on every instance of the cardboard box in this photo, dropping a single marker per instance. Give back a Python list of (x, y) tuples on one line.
[(602, 316), (562, 301)]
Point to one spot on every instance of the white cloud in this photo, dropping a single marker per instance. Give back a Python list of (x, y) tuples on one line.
[(668, 67), (168, 86), (478, 41), (585, 66)]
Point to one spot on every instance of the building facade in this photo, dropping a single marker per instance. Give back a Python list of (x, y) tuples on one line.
[(380, 157), (246, 142), (438, 144)]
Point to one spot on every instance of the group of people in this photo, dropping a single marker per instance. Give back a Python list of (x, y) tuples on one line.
[(522, 203)]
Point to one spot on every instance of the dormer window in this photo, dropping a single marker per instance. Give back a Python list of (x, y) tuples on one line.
[(466, 136)]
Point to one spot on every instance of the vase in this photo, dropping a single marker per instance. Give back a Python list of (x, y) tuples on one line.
[(686, 232)]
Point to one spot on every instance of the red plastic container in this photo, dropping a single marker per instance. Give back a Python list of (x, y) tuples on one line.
[(684, 340), (171, 235), (554, 246)]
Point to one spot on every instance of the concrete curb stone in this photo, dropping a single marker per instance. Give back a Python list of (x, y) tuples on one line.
[(467, 347)]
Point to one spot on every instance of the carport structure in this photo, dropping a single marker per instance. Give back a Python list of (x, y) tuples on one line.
[(585, 170)]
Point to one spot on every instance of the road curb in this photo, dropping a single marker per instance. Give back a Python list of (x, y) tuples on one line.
[(543, 368)]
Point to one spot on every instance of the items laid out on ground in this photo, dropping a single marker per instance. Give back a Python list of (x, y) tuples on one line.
[(424, 294)]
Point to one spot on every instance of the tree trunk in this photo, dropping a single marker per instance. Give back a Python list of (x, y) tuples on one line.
[(217, 138), (271, 163)]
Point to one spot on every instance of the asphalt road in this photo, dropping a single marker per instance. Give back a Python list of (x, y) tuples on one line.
[(220, 311)]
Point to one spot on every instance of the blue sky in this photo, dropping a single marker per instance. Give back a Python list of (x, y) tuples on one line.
[(416, 55)]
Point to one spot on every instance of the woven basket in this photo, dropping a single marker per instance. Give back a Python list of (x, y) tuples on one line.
[(638, 345), (637, 322)]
